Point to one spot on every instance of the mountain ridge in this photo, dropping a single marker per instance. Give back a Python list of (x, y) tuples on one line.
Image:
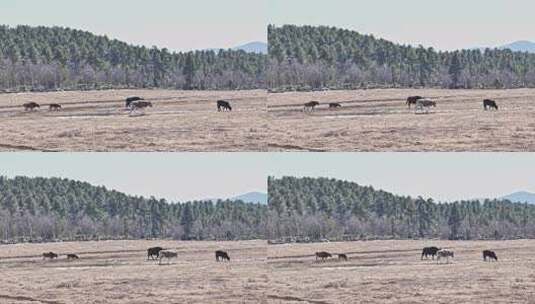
[(520, 197)]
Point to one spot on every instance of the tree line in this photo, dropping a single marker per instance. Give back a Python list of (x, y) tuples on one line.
[(310, 57), (52, 58), (318, 208), (44, 209)]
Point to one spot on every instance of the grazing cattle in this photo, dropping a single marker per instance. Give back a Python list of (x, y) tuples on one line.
[(311, 105), (334, 105), (342, 256), (154, 252), (30, 106), (223, 105), (424, 104), (323, 255), (54, 107), (168, 255), (413, 100), (489, 104), (49, 255), (489, 254), (429, 251), (444, 253), (221, 255), (72, 256), (129, 100)]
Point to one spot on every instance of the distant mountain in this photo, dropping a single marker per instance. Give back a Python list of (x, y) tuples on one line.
[(517, 46), (521, 197), (318, 208), (356, 61), (254, 47), (520, 46), (252, 197)]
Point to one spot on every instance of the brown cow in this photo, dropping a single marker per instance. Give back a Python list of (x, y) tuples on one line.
[(311, 105), (50, 255), (30, 106), (323, 255), (54, 107), (72, 256), (334, 105)]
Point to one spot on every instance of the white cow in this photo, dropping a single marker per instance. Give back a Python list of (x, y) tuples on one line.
[(444, 253), (424, 104), (168, 254)]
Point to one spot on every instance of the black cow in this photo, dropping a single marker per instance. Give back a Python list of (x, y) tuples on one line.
[(153, 252), (489, 254), (49, 255), (30, 106), (323, 255), (342, 256), (334, 105), (311, 105), (129, 100), (54, 107), (413, 100), (429, 251), (72, 256), (489, 104), (223, 105), (221, 255)]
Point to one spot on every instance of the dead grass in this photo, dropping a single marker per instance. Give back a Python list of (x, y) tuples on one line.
[(98, 121), (376, 272), (378, 120), (118, 272), (392, 272)]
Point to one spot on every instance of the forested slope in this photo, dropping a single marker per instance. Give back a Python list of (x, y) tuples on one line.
[(53, 208), (319, 56), (328, 208), (48, 58)]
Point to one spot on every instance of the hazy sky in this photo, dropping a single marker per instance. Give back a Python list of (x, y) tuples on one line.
[(174, 176), (451, 24), (186, 176), (175, 24), (442, 176)]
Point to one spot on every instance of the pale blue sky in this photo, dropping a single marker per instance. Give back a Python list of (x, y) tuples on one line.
[(442, 176), (185, 176), (445, 25), (174, 176), (175, 24)]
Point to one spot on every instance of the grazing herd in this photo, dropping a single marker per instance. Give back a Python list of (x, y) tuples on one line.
[(153, 253), (133, 103), (51, 255), (439, 253), (160, 253), (422, 104)]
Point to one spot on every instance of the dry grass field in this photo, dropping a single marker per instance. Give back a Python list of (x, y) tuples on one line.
[(98, 121), (379, 120), (392, 272), (119, 272)]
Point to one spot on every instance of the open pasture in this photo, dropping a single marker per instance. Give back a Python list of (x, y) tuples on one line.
[(99, 121), (119, 272), (379, 120), (393, 272)]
